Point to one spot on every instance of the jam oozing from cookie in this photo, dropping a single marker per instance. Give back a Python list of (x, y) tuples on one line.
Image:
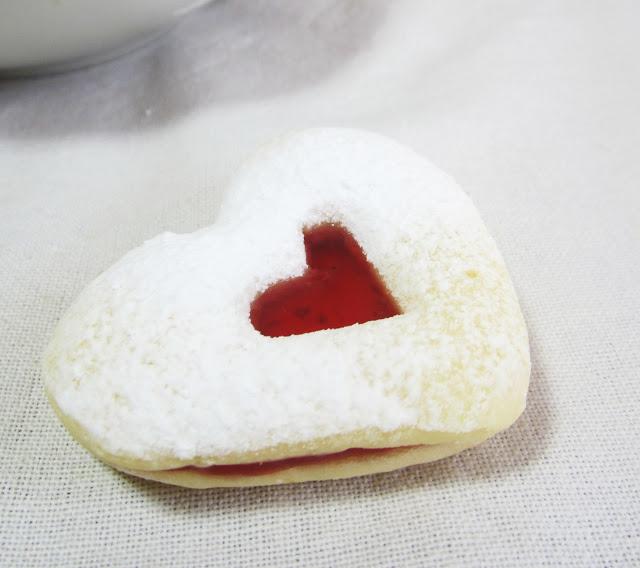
[(265, 468), (339, 288)]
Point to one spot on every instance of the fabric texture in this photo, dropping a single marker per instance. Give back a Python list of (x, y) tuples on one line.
[(534, 107)]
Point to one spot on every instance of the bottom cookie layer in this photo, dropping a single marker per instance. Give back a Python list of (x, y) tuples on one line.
[(349, 463)]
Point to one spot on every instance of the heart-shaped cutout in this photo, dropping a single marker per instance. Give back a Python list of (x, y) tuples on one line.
[(340, 287)]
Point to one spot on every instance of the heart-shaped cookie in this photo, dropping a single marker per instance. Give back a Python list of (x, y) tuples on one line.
[(236, 355)]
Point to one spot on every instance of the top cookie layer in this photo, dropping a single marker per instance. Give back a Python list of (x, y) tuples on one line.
[(157, 359)]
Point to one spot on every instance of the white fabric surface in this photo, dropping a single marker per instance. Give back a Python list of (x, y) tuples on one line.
[(532, 106)]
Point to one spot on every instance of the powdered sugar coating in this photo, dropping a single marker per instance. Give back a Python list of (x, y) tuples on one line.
[(157, 357)]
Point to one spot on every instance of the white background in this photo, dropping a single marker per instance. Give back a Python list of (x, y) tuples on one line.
[(533, 106)]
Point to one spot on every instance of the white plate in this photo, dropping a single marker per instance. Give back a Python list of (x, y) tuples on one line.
[(52, 35)]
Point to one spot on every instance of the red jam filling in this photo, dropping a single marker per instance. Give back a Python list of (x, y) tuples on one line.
[(265, 468), (339, 288)]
